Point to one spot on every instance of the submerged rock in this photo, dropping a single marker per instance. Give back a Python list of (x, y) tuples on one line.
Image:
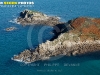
[(82, 39)]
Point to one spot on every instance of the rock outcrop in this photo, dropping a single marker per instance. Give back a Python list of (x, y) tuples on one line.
[(28, 17), (10, 29), (82, 39)]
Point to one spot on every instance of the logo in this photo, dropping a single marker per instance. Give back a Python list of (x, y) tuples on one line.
[(16, 4)]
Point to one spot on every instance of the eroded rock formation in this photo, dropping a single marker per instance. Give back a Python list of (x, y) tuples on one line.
[(28, 17)]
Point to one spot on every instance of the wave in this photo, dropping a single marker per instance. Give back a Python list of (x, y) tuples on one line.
[(14, 21)]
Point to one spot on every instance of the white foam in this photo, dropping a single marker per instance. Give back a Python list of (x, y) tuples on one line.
[(14, 21)]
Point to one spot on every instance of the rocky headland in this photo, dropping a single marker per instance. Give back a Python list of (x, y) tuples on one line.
[(29, 17), (82, 38)]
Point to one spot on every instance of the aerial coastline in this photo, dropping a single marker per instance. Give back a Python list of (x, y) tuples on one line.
[(82, 37)]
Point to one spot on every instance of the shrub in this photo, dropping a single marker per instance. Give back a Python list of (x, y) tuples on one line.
[(78, 22)]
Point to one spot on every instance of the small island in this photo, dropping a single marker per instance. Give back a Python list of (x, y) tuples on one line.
[(10, 29), (82, 39), (29, 17)]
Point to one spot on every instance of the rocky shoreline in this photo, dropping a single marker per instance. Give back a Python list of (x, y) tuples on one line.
[(29, 17), (83, 38), (45, 51)]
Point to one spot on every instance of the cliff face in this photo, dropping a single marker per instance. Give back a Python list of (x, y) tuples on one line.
[(84, 38)]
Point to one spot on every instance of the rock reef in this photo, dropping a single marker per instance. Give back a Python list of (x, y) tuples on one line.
[(10, 29), (29, 17), (82, 39)]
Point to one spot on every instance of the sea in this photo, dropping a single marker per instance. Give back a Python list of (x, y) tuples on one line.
[(29, 37)]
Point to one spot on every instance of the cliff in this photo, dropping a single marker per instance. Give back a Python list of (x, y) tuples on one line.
[(83, 38)]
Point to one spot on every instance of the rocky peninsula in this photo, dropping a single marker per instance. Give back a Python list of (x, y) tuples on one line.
[(29, 17), (82, 39)]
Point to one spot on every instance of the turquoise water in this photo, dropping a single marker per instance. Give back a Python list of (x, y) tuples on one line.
[(16, 41)]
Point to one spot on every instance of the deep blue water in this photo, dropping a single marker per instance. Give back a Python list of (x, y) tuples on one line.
[(16, 41)]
